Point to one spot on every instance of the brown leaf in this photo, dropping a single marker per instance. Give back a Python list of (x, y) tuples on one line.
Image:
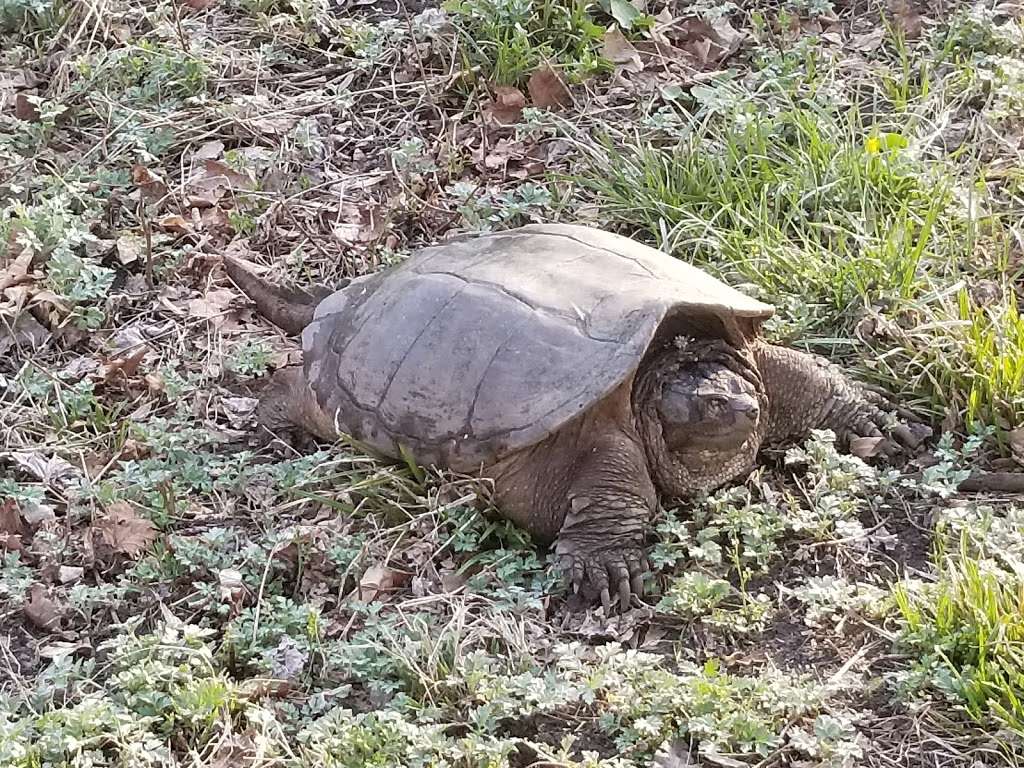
[(198, 5), (866, 447), (25, 332), (24, 109), (217, 178), (547, 89), (151, 186), (174, 223), (379, 579), (124, 531), (40, 610), (130, 248), (867, 42), (618, 50), (125, 367), (216, 221), (1016, 439), (362, 225), (12, 527), (17, 271), (906, 18), (506, 108), (211, 150), (212, 304)]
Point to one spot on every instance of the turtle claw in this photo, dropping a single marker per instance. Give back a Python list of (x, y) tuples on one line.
[(613, 575)]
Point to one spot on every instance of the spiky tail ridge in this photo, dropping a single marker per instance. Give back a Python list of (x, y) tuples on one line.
[(290, 309)]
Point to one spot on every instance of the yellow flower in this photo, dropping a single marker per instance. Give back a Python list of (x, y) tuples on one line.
[(873, 145)]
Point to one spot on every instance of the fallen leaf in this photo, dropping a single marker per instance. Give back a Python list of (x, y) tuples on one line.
[(379, 579), (212, 304), (1016, 439), (547, 90), (12, 527), (125, 367), (727, 36), (151, 186), (866, 42), (507, 105), (52, 470), (174, 223), (618, 50), (674, 754), (218, 178), (866, 447), (25, 109), (239, 410), (906, 18), (17, 271), (40, 610), (211, 150), (216, 221), (130, 248), (124, 531), (25, 332), (68, 574), (364, 225)]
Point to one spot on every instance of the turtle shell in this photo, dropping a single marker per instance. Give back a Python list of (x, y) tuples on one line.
[(482, 346)]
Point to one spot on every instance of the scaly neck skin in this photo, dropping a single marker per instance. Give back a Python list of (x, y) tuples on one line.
[(682, 474)]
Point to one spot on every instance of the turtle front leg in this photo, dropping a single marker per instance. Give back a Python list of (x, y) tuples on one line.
[(807, 392), (600, 546)]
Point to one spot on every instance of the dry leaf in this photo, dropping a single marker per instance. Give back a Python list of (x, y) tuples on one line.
[(211, 150), (727, 36), (25, 332), (216, 221), (17, 271), (868, 41), (906, 18), (50, 471), (1016, 438), (124, 531), (379, 579), (363, 225), (547, 90), (507, 105), (212, 304), (130, 248), (151, 186), (198, 5), (674, 754), (40, 610), (618, 50), (125, 367), (866, 447), (24, 109), (174, 223), (68, 574)]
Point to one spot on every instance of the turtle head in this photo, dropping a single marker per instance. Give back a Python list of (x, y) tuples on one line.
[(707, 407)]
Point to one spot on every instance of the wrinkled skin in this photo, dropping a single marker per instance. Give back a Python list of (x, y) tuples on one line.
[(693, 420)]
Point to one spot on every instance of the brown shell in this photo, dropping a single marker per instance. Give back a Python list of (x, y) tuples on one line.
[(482, 346)]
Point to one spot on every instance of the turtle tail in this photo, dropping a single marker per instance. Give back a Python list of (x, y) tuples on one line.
[(290, 309)]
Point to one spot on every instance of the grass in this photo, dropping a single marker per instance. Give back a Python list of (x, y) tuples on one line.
[(282, 606), (968, 627)]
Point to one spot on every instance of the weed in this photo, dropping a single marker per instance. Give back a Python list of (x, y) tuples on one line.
[(968, 628), (509, 39)]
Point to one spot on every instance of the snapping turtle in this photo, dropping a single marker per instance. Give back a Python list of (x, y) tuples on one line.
[(583, 372)]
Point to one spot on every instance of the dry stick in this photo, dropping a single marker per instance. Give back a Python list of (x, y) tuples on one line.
[(993, 482)]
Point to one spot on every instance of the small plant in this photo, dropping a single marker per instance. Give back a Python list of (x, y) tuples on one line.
[(250, 358), (509, 39), (968, 630)]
